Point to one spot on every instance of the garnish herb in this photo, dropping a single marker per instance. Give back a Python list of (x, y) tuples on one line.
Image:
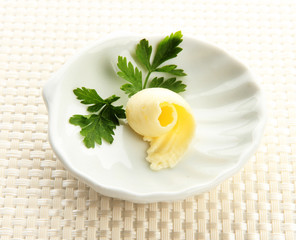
[(166, 49), (104, 116), (130, 74)]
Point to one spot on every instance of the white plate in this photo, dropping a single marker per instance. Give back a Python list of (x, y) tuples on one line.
[(227, 105)]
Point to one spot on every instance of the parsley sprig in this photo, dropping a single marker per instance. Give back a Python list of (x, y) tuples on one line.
[(167, 49), (103, 118)]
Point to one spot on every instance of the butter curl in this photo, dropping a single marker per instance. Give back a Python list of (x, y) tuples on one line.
[(165, 120)]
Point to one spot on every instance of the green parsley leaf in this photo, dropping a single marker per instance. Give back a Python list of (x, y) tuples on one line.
[(143, 52), (113, 113), (172, 70), (89, 96), (171, 84), (167, 49), (99, 128), (95, 127), (130, 74), (79, 120)]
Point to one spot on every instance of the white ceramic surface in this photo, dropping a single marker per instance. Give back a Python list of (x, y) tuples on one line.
[(227, 105)]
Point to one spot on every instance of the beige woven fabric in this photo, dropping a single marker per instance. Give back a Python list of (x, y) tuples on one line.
[(39, 199)]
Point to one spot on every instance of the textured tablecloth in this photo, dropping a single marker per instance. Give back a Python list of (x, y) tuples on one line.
[(39, 199)]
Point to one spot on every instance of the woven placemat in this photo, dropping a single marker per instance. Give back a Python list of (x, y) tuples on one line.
[(39, 199)]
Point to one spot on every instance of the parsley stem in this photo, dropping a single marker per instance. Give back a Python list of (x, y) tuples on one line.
[(146, 80)]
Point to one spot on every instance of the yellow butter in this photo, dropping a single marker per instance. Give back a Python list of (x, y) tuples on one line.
[(165, 120)]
